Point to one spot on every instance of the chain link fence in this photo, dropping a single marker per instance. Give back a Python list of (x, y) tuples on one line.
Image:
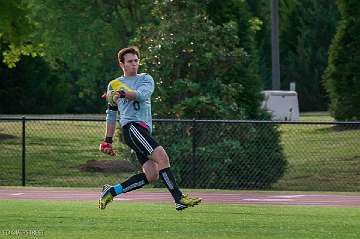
[(215, 154)]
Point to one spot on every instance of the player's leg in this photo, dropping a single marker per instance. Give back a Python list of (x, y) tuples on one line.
[(141, 141), (161, 158), (147, 148), (182, 201), (150, 173)]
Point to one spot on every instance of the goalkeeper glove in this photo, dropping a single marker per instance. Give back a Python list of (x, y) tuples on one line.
[(112, 96), (106, 148)]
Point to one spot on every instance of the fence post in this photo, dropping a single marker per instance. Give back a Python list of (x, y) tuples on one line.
[(193, 164), (23, 164), (194, 140)]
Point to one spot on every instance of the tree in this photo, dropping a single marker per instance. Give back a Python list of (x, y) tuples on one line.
[(238, 11), (32, 87), (204, 70), (27, 83), (342, 76), (204, 61), (261, 10), (81, 38), (307, 29), (15, 29)]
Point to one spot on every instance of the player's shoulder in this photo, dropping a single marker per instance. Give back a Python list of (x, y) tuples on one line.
[(145, 77), (115, 80), (141, 75)]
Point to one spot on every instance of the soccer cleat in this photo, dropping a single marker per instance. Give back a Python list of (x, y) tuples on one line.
[(186, 202), (105, 197)]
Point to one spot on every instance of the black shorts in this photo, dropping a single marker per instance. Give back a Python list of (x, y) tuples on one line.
[(139, 139)]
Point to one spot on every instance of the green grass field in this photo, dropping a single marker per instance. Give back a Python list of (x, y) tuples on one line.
[(320, 157), (54, 152), (65, 219), (56, 149)]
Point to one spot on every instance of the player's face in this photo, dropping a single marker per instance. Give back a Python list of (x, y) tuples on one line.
[(130, 65)]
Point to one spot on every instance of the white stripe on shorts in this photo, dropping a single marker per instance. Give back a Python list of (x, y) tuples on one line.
[(141, 139)]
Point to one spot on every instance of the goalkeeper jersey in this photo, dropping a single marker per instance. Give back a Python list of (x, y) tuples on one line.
[(138, 110)]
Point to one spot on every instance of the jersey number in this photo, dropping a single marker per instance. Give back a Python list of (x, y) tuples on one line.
[(136, 105)]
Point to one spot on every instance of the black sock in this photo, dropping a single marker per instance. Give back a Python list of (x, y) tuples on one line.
[(169, 180), (132, 183)]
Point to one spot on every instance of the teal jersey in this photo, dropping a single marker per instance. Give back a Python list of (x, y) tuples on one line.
[(138, 110)]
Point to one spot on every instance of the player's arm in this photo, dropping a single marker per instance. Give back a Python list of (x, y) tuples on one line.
[(106, 145), (130, 95), (143, 92), (109, 129), (111, 113), (118, 89)]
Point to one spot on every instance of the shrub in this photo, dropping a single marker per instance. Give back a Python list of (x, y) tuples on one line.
[(342, 79), (223, 155)]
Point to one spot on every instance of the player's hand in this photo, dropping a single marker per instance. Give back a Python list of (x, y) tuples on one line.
[(107, 148), (112, 97), (121, 93)]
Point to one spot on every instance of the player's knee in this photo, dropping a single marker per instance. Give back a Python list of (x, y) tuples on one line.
[(152, 176), (151, 171), (160, 156)]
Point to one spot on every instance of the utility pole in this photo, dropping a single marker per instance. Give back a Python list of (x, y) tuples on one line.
[(275, 54)]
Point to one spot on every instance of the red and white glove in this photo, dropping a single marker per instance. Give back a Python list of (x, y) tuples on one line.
[(106, 148)]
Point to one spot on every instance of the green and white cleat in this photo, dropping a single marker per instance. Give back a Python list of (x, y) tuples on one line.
[(186, 201), (105, 197)]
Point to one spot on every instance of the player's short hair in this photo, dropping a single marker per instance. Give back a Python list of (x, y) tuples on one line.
[(132, 49)]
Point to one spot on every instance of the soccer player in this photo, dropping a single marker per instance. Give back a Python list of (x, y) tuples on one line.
[(130, 94)]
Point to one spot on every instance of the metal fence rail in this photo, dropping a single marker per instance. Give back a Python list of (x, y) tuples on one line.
[(321, 156)]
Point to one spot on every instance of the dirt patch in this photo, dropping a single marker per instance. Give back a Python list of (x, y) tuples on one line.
[(345, 127), (353, 158), (7, 136), (112, 166)]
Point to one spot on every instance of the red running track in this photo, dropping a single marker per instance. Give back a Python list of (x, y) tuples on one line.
[(272, 198)]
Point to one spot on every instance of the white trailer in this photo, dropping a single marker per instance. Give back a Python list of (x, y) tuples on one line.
[(283, 105)]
